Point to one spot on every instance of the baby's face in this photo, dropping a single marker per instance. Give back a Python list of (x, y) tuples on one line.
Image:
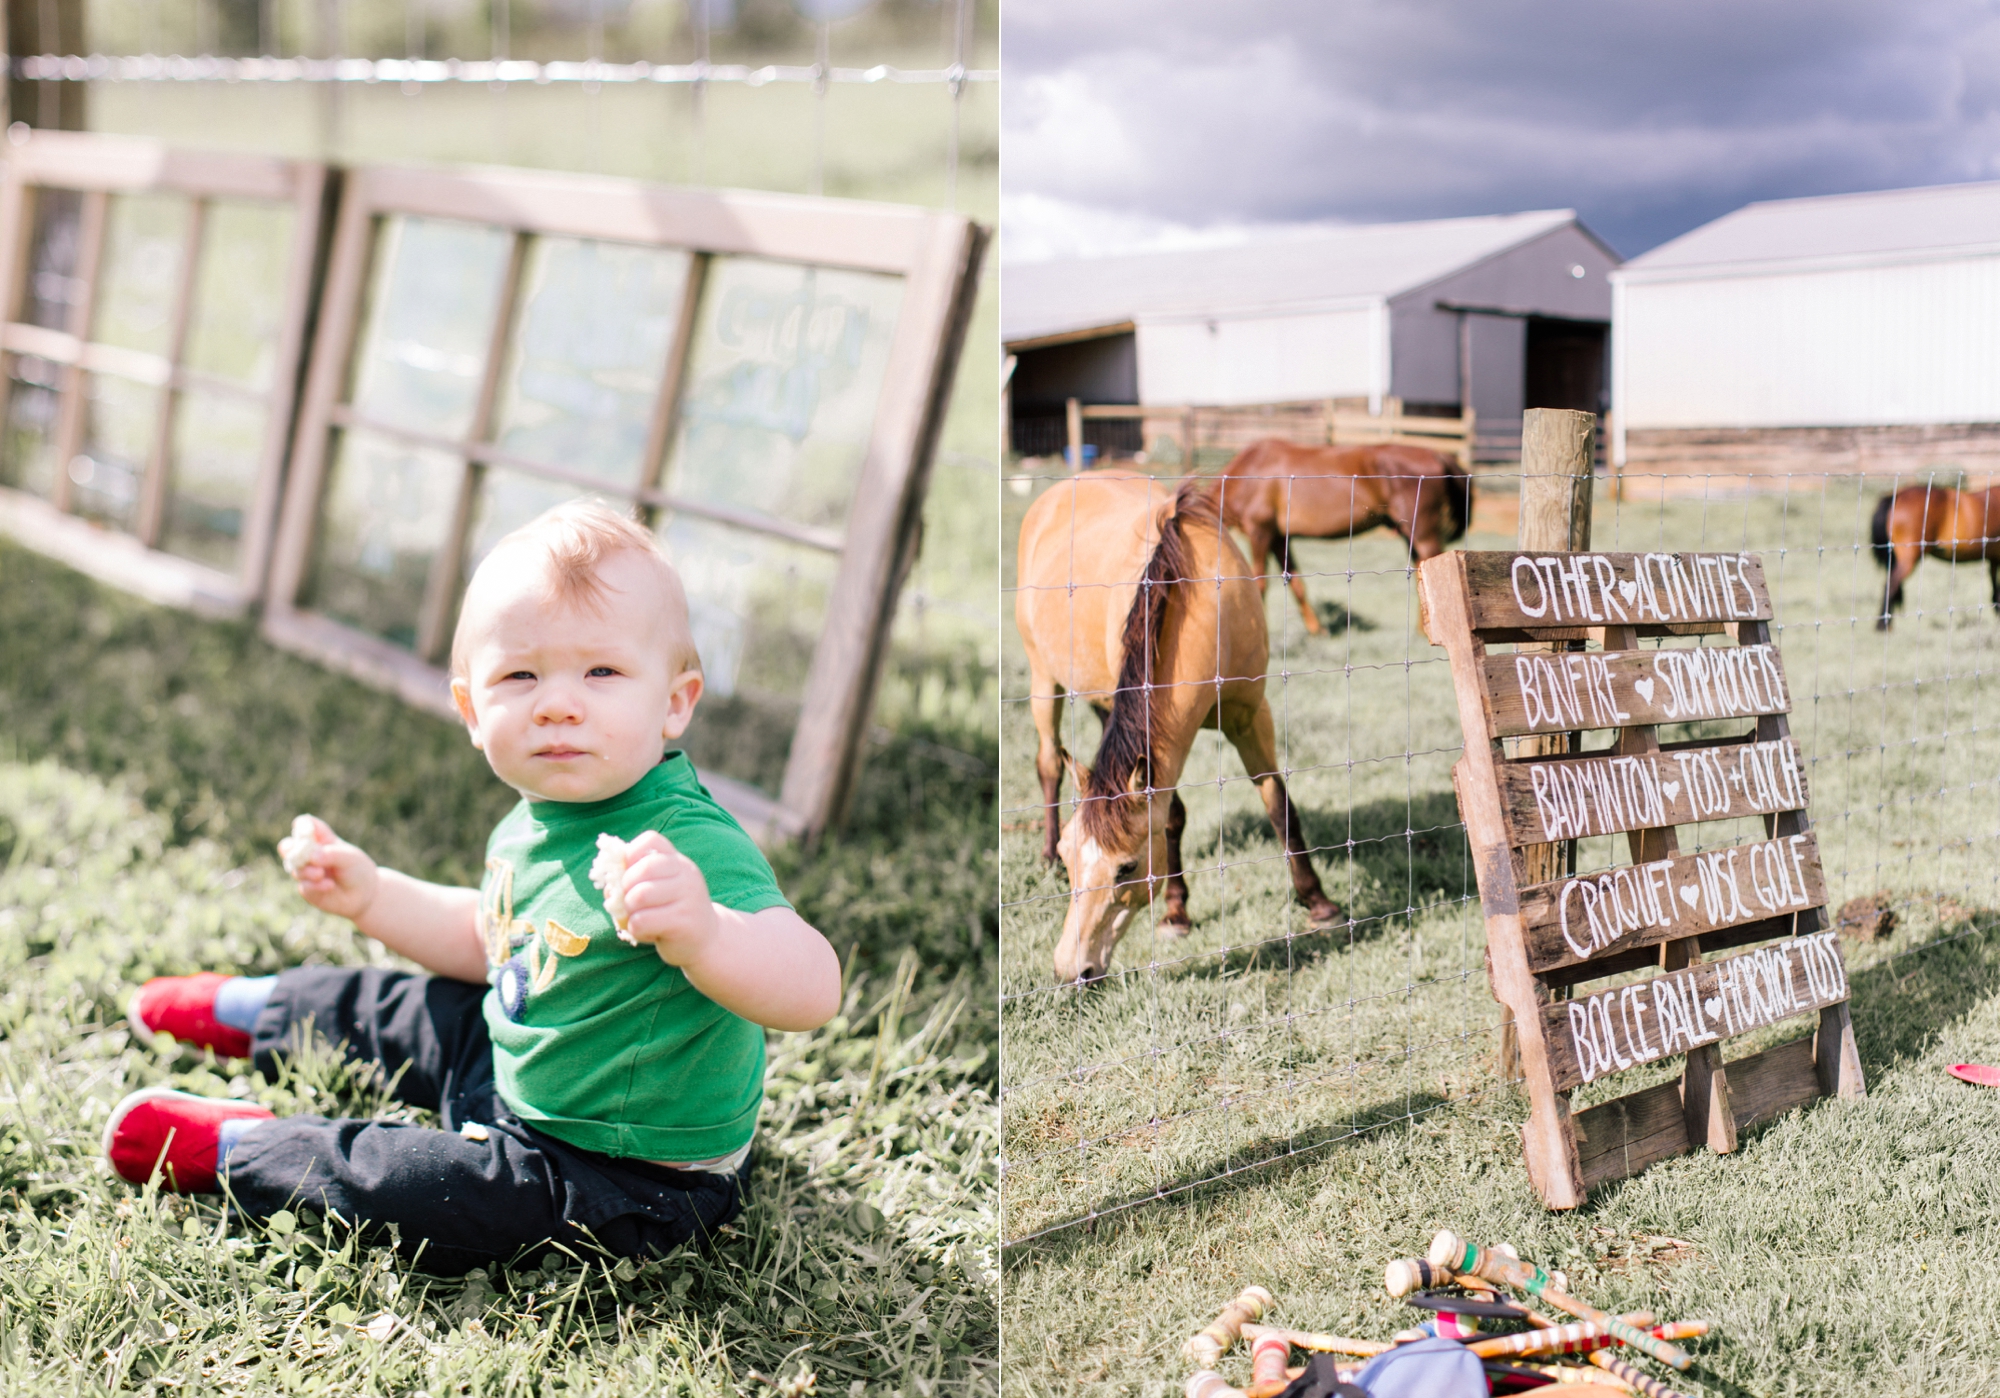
[(571, 703)]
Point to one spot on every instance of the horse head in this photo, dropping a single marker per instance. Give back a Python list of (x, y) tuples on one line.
[(1114, 849)]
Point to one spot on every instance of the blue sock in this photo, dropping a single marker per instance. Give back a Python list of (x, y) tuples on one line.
[(240, 999), (229, 1134)]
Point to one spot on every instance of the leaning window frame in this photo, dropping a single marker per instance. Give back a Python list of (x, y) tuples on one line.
[(937, 255), (99, 167)]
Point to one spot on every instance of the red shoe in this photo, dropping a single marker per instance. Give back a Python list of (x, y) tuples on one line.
[(174, 1132), (184, 1006)]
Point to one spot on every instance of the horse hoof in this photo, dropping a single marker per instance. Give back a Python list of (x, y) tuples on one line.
[(1324, 916)]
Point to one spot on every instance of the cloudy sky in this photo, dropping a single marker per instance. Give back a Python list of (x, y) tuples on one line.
[(1130, 123)]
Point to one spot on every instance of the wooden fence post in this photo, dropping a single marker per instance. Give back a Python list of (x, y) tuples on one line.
[(1557, 445), (1073, 423)]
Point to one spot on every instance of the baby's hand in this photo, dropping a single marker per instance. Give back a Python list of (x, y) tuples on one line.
[(331, 874), (666, 900)]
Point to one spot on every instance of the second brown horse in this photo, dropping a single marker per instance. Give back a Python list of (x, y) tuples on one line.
[(1959, 526), (1275, 490)]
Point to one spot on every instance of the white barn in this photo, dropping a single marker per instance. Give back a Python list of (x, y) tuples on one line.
[(1497, 313), (1851, 331)]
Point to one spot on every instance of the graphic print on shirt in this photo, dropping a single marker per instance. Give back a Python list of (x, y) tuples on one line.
[(521, 973)]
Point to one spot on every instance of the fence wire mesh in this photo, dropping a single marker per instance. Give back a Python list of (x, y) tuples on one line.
[(1254, 1038)]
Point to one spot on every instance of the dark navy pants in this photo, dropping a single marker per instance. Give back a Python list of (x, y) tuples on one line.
[(457, 1203)]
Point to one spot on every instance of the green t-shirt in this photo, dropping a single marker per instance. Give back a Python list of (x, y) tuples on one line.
[(597, 1042)]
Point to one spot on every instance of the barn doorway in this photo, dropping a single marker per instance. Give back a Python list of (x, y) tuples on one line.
[(1565, 364), (1099, 368)]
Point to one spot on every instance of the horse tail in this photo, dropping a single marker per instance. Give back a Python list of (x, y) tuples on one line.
[(1878, 532), (1458, 499), (1126, 749)]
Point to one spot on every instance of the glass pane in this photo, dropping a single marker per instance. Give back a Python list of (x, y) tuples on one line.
[(120, 420), (52, 283), (783, 378), (27, 448), (597, 321), (756, 605), (141, 271), (435, 292), (218, 442), (384, 517), (239, 291)]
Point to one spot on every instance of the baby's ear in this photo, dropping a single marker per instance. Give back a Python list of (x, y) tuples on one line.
[(681, 699), (461, 695)]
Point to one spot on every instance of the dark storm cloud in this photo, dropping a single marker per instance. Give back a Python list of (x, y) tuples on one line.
[(1648, 118)]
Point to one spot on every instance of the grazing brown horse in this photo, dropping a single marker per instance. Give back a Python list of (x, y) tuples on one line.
[(1959, 526), (1276, 489), (1134, 597)]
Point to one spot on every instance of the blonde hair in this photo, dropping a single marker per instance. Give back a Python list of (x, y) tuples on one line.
[(573, 540)]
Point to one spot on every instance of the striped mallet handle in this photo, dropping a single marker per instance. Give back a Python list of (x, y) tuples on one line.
[(1449, 1250), (1632, 1375), (1576, 1373), (1313, 1340), (1209, 1384), (1562, 1339), (1207, 1348)]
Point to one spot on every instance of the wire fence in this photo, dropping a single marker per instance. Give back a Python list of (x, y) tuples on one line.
[(1254, 1037), (356, 43)]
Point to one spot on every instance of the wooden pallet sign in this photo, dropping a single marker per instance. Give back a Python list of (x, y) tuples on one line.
[(1665, 910)]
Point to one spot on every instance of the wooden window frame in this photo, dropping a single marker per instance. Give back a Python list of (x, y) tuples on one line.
[(98, 167), (937, 255)]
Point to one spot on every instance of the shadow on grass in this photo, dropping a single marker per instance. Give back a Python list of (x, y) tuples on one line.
[(1338, 620), (1901, 1007), (1388, 856), (1258, 1163)]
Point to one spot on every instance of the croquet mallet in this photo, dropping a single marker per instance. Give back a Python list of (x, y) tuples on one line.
[(1449, 1250)]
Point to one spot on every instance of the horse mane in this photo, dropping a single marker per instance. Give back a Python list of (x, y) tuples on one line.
[(1127, 748), (1878, 532)]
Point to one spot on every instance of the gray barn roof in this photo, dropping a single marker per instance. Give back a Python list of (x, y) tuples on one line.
[(1039, 299), (1886, 223)]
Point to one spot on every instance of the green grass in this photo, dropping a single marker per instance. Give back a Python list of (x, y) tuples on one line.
[(1361, 1060), (150, 760)]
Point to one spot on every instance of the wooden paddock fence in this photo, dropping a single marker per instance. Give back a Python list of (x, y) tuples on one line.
[(1196, 429)]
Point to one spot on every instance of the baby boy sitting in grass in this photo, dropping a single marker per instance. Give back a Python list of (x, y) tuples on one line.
[(592, 1080)]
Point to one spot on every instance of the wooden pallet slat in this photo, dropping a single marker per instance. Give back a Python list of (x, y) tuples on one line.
[(1566, 798), (1524, 590), (1538, 692), (1705, 1002), (1764, 884)]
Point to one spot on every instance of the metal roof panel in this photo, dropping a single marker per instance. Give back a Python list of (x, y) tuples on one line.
[(1319, 265)]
